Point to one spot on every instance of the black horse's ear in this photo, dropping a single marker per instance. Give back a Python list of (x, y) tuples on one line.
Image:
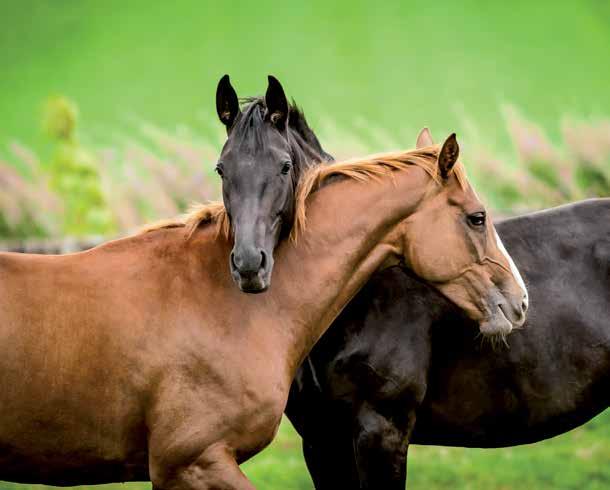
[(227, 105), (424, 138), (448, 156), (277, 104)]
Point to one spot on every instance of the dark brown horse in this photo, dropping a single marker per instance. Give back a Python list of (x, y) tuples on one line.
[(141, 359)]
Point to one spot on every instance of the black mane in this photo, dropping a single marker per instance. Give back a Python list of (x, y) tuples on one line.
[(253, 110)]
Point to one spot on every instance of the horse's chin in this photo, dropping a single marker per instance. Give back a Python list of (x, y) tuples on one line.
[(496, 326), (253, 289), (255, 284)]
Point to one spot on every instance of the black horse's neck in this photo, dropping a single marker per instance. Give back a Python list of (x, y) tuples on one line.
[(304, 135)]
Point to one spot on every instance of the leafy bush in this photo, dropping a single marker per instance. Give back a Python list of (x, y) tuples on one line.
[(73, 173)]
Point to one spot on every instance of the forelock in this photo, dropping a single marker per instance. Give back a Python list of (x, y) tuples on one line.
[(249, 129)]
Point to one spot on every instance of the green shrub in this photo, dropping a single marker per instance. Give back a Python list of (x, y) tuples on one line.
[(73, 173)]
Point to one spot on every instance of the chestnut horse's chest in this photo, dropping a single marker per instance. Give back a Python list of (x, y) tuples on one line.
[(230, 394), (171, 403)]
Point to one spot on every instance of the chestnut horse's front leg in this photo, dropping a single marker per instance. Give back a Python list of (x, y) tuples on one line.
[(214, 469)]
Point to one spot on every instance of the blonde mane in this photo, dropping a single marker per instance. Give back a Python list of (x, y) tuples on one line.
[(199, 214), (370, 168)]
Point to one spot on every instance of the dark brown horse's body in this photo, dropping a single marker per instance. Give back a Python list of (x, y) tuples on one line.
[(401, 366), (141, 358)]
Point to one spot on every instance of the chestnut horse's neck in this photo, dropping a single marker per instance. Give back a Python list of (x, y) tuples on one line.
[(348, 237)]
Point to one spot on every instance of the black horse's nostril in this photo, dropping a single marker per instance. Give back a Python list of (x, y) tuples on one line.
[(233, 261), (248, 262)]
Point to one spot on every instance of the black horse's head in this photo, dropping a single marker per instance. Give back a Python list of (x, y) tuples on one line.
[(268, 146)]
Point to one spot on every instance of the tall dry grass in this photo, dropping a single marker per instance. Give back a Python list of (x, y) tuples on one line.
[(158, 172)]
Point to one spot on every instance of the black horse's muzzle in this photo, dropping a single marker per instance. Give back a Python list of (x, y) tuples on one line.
[(251, 269)]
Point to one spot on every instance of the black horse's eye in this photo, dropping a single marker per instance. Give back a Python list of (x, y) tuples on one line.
[(477, 219), (219, 170), (286, 168)]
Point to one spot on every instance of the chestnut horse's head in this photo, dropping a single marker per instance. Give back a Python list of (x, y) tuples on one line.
[(268, 145), (451, 242)]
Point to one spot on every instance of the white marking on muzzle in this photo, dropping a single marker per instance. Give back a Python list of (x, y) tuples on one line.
[(513, 268)]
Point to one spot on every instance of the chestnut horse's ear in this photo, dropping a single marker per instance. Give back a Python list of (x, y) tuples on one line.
[(227, 105), (424, 139), (277, 104), (448, 156)]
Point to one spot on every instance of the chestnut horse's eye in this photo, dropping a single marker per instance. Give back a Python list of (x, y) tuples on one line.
[(286, 168), (219, 170), (477, 219)]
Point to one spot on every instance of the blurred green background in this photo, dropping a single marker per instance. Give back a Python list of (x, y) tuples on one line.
[(525, 85), (400, 64), (108, 121)]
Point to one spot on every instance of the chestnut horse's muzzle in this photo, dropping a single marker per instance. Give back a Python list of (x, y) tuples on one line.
[(506, 312)]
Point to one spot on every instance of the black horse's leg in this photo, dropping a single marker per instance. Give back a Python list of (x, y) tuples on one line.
[(331, 466), (381, 443)]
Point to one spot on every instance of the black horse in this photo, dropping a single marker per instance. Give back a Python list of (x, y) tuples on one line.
[(400, 365), (269, 144)]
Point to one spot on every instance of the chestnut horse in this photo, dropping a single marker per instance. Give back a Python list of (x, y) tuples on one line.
[(140, 359)]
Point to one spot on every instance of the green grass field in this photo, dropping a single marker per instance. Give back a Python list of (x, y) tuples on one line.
[(578, 460), (375, 71)]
